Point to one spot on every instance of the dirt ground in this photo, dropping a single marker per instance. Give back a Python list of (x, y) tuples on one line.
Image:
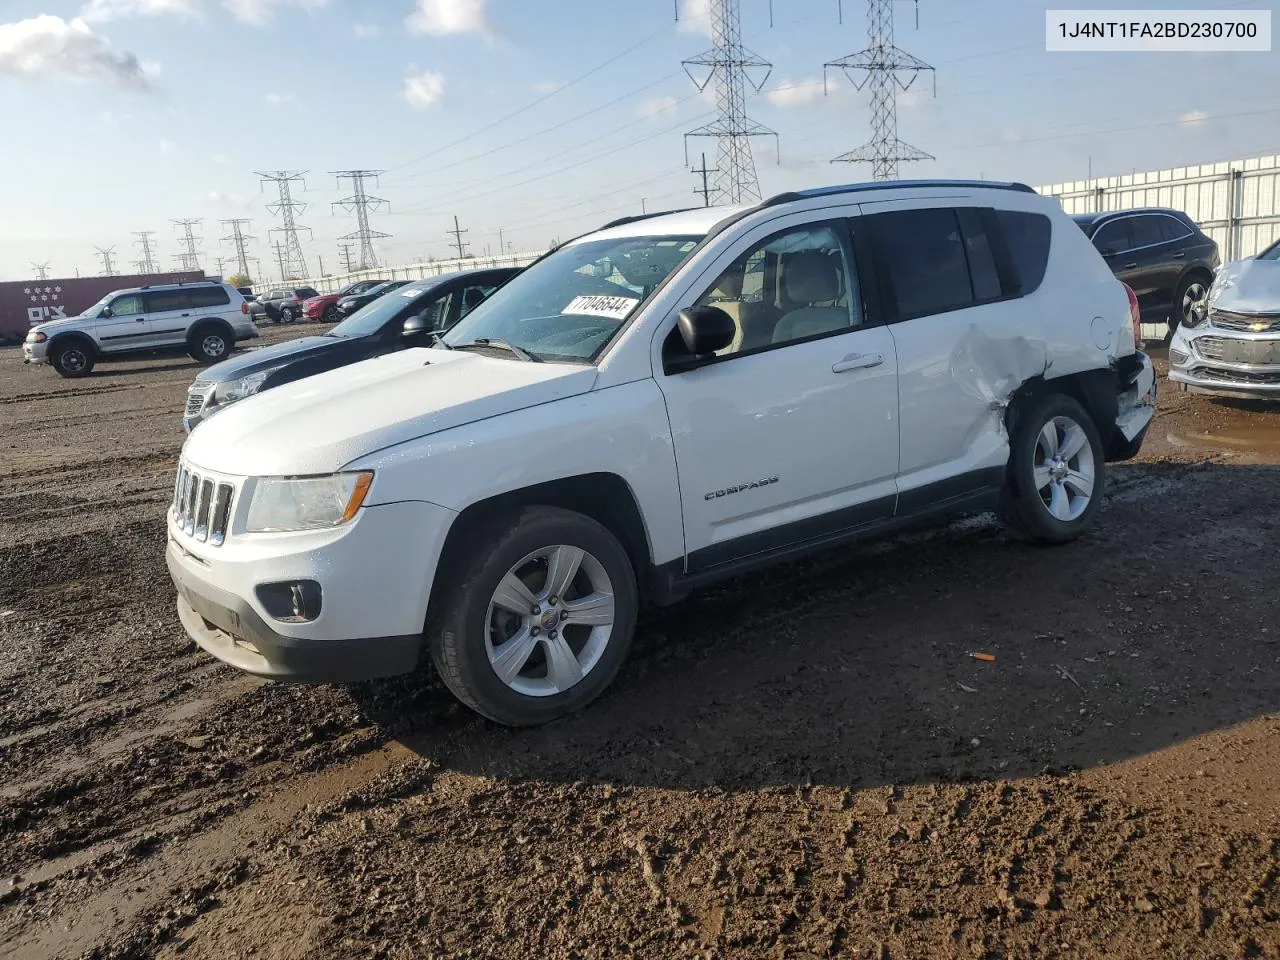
[(804, 763)]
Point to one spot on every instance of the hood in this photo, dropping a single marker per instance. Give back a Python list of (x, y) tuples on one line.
[(333, 297), (321, 423), (51, 327), (263, 358), (1247, 286)]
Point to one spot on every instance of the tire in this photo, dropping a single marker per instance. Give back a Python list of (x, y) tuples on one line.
[(331, 314), (209, 344), (1044, 499), (473, 624), (73, 359), (1191, 289), (288, 315)]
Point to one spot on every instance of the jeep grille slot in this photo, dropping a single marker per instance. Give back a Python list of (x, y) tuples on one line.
[(202, 506)]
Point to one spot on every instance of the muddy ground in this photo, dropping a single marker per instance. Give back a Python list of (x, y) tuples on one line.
[(806, 763)]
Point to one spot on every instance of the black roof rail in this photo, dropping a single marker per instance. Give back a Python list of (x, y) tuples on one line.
[(181, 283), (835, 189), (643, 216)]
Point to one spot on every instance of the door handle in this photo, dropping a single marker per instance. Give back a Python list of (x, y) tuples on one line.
[(186, 314), (857, 361), (1130, 266), (140, 320), (1179, 256)]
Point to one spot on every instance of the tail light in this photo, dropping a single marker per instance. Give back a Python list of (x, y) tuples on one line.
[(1135, 315), (244, 306)]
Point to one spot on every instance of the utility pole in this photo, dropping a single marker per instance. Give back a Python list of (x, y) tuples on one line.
[(222, 265), (884, 67), (502, 247), (42, 270), (457, 233), (733, 68), (108, 269), (239, 239), (286, 207), (189, 258), (706, 189), (344, 251), (321, 259), (360, 203), (147, 264), (282, 258), (643, 211)]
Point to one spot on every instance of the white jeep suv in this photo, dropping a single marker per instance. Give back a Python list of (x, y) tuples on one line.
[(666, 401), (206, 317)]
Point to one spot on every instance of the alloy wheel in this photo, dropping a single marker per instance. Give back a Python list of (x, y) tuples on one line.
[(1064, 468)]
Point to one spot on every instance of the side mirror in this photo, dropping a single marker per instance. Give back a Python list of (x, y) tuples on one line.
[(415, 326), (106, 312), (706, 329)]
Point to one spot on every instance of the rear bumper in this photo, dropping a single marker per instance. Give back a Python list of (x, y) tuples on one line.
[(231, 630), (1136, 403)]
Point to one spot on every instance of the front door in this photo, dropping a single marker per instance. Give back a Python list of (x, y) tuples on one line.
[(128, 327), (790, 434)]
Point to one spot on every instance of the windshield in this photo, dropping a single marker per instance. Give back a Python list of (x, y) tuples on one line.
[(371, 318), (94, 310), (569, 305)]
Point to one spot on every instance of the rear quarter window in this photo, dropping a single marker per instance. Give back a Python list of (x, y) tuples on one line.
[(1027, 237), (207, 297)]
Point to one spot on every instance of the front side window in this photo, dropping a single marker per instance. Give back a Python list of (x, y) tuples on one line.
[(1113, 237), (924, 255), (569, 305), (795, 285), (277, 294), (126, 305)]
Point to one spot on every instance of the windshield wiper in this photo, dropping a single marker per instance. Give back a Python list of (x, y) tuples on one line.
[(500, 344)]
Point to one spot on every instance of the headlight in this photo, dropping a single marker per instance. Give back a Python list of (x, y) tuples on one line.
[(306, 503), (234, 390), (35, 336)]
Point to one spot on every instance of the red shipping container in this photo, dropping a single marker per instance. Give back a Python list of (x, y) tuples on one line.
[(24, 303)]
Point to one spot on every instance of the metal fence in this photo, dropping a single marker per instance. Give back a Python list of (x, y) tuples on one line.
[(413, 271), (1237, 202)]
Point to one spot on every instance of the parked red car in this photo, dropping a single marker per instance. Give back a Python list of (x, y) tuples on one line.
[(324, 306)]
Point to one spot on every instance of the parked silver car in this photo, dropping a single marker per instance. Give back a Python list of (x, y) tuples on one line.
[(1231, 346)]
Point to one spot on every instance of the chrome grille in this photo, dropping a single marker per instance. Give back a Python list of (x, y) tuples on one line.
[(1237, 376), (1227, 350), (197, 396), (202, 506), (1254, 322)]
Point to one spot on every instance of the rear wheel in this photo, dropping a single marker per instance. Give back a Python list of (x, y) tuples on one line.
[(73, 359), (331, 314), (1056, 469), (538, 617), (1189, 292), (209, 344)]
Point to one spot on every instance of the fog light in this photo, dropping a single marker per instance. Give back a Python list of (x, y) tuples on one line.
[(294, 601), (1177, 357)]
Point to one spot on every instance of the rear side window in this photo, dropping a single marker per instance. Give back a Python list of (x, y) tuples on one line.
[(207, 297), (1171, 228), (305, 292), (1026, 235), (1146, 231), (923, 254), (162, 300)]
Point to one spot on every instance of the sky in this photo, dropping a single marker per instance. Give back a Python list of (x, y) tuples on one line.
[(537, 120)]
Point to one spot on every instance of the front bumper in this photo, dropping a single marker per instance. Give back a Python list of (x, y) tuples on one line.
[(1226, 363), (35, 352), (375, 575)]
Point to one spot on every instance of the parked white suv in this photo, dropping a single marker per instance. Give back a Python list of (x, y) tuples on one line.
[(653, 406), (206, 317)]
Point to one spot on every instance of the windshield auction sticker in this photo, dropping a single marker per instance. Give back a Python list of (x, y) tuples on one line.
[(1162, 31), (616, 308)]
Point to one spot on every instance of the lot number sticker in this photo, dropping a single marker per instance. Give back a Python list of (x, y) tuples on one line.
[(601, 306)]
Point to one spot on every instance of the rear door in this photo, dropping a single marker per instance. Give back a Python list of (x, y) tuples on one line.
[(128, 327), (170, 314), (1157, 269)]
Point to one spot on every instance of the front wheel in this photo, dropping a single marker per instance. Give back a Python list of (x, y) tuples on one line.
[(331, 314), (72, 360), (288, 315), (1056, 466), (537, 618)]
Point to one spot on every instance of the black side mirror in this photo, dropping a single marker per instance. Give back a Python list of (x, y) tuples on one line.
[(415, 326), (706, 329)]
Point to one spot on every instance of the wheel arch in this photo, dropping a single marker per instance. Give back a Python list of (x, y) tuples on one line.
[(1095, 390), (206, 322), (60, 340), (604, 497)]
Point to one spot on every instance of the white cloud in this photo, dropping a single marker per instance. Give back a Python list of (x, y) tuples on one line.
[(795, 93), (48, 46), (366, 30), (695, 16), (246, 11), (656, 107), (167, 147), (423, 89), (1193, 118), (441, 17), (279, 99), (221, 158), (221, 199), (1010, 135)]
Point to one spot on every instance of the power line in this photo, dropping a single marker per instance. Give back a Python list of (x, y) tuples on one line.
[(287, 207), (108, 269), (239, 239), (42, 270), (189, 258), (706, 189), (884, 64), (457, 233), (360, 202), (729, 65), (147, 263)]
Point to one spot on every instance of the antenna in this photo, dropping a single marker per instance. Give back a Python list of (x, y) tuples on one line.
[(884, 66)]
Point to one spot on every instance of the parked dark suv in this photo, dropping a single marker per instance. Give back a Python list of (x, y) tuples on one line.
[(1160, 253), (281, 305)]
